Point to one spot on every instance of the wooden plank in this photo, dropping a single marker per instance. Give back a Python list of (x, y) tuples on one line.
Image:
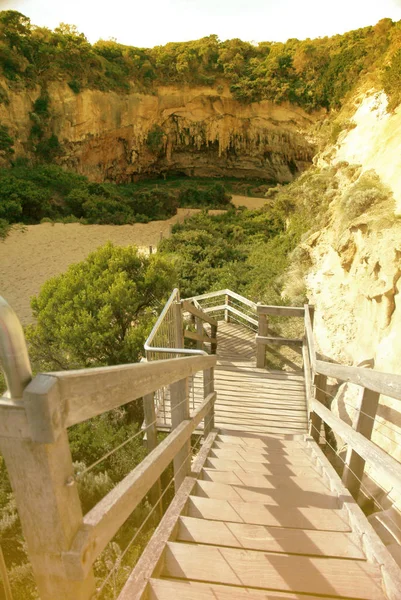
[(354, 464), (309, 337), (293, 497), (267, 459), (270, 442), (388, 384), (263, 481), (224, 464), (89, 392), (382, 461), (137, 582), (320, 383), (280, 311), (103, 521), (151, 443), (271, 539), (166, 589), (189, 307), (224, 293), (279, 341), (331, 576), (260, 347), (237, 511), (13, 419), (179, 401)]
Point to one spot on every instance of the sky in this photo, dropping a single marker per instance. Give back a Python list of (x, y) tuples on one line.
[(147, 23)]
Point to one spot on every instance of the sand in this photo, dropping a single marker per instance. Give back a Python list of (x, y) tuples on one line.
[(29, 257)]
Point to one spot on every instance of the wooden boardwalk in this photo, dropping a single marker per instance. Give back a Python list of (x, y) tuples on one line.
[(248, 399)]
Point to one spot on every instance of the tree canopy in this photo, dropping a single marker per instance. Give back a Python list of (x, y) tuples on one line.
[(100, 311), (311, 73)]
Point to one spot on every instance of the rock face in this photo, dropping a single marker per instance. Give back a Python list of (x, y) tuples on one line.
[(194, 131)]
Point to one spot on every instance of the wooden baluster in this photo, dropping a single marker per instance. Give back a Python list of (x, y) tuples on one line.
[(179, 326), (42, 478), (179, 399), (199, 331), (355, 465), (261, 348), (208, 388), (213, 334), (151, 442), (320, 383), (226, 313)]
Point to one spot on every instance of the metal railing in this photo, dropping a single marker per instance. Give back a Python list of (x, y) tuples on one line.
[(166, 338)]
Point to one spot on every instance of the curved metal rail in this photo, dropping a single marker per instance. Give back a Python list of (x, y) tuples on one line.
[(164, 332), (14, 356)]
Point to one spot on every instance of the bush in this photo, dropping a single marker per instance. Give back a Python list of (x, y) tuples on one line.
[(367, 192)]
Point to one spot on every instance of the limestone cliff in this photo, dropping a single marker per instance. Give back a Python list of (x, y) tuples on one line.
[(190, 130), (354, 281)]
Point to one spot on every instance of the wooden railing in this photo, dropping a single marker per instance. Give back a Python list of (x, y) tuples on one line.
[(230, 306), (34, 416), (262, 338), (373, 383)]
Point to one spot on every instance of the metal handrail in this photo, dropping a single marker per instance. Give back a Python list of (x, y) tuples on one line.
[(13, 352), (174, 297)]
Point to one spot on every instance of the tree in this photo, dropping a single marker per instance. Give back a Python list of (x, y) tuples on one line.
[(100, 311)]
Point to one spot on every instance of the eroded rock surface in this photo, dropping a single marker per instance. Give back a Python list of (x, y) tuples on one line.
[(194, 131)]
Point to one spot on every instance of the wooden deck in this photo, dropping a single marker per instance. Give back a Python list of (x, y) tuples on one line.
[(248, 399), (262, 521)]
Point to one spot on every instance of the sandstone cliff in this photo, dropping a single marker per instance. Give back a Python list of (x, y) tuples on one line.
[(354, 282), (194, 131)]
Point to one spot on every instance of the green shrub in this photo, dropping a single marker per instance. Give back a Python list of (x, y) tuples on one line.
[(367, 192)]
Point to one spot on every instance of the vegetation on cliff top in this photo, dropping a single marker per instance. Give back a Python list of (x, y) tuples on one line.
[(311, 73)]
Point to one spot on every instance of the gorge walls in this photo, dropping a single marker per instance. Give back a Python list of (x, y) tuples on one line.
[(188, 130)]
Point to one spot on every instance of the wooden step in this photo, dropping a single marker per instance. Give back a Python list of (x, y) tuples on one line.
[(273, 458), (283, 448), (223, 464), (237, 511), (279, 441), (258, 480), (308, 575), (289, 497), (272, 539), (168, 589), (261, 429)]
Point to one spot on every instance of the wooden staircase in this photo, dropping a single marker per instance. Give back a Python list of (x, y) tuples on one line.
[(258, 512), (265, 519)]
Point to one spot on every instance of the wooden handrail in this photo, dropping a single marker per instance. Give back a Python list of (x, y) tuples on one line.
[(364, 447), (280, 311), (81, 395), (384, 383), (189, 307), (103, 521)]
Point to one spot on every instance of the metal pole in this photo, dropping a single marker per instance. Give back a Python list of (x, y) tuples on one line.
[(13, 351)]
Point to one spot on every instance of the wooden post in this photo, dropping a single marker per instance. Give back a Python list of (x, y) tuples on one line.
[(199, 331), (179, 412), (4, 577), (355, 465), (208, 388), (151, 442), (179, 327), (213, 333), (320, 382), (48, 504), (261, 348), (226, 315)]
